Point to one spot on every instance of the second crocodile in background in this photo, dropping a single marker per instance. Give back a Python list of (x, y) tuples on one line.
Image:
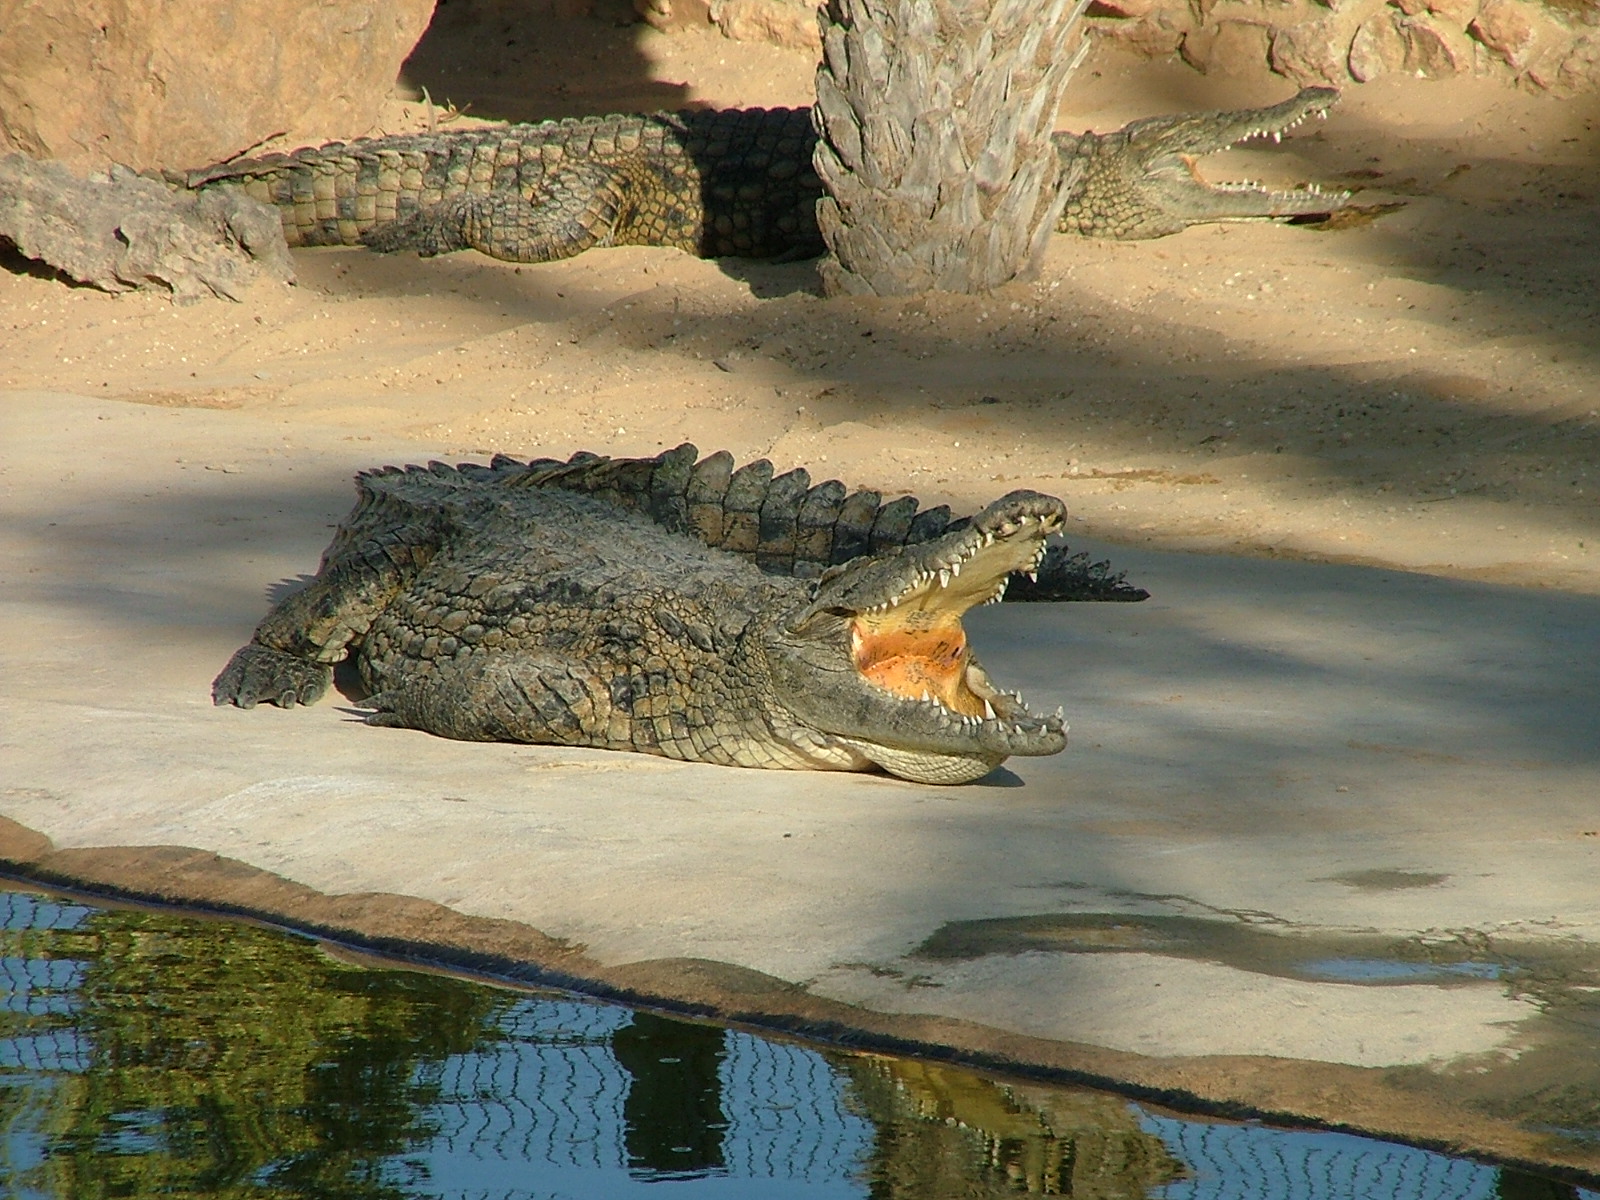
[(730, 182)]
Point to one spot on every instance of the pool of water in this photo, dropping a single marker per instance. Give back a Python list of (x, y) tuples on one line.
[(147, 1054)]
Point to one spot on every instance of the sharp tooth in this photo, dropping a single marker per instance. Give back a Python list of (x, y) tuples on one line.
[(944, 577), (1276, 136), (1033, 575), (955, 567), (1061, 714), (926, 695), (988, 539), (988, 709)]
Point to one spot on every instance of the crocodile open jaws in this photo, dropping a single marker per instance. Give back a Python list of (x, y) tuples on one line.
[(1145, 180)]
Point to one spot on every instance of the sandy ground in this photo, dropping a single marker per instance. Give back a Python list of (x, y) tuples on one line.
[(1396, 744), (1418, 391)]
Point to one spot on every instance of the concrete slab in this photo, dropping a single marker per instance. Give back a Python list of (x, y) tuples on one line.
[(1311, 814)]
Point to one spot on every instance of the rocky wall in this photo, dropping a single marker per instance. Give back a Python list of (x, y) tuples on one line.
[(176, 83), (1544, 44)]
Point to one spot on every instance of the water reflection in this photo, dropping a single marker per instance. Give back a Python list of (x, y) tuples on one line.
[(146, 1055), (673, 1116)]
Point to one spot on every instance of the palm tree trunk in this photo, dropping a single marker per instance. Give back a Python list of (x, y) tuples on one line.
[(934, 120)]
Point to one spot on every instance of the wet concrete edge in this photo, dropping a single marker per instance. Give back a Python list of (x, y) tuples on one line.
[(1364, 1100)]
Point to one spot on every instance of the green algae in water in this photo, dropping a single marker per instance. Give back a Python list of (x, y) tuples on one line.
[(145, 1054)]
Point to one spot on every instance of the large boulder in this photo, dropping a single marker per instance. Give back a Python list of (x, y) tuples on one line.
[(173, 83)]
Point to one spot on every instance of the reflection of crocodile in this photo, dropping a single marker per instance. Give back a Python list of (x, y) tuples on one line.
[(733, 182), (944, 1132), (605, 603)]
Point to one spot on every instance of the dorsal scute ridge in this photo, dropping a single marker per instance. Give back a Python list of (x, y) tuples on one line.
[(783, 522)]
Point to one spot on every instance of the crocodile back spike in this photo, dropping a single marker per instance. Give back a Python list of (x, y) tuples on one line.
[(786, 524)]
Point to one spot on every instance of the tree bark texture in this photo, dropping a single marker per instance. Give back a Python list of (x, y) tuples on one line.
[(934, 120)]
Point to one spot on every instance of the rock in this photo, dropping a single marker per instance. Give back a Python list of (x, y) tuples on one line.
[(1456, 14), (1391, 42), (1527, 40), (1123, 9), (1152, 27), (1196, 47), (1378, 48), (1433, 50), (1508, 29), (1580, 69), (791, 23), (173, 83), (1312, 52), (1233, 48), (1154, 37), (120, 231)]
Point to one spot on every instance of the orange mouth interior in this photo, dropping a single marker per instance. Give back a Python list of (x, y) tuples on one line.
[(917, 653)]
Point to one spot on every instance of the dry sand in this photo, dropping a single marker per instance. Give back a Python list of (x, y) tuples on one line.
[(1417, 391)]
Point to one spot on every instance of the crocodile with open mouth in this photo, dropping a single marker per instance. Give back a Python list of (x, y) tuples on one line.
[(1143, 181), (674, 606), (728, 182)]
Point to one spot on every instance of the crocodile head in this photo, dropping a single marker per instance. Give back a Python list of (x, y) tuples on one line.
[(876, 663), (1142, 181)]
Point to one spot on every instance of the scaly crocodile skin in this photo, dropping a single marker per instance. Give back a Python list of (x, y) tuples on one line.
[(732, 182), (671, 605)]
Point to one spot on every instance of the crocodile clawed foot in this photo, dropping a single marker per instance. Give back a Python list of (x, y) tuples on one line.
[(381, 710), (257, 674)]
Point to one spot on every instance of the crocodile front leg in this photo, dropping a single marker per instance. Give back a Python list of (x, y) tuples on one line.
[(289, 659)]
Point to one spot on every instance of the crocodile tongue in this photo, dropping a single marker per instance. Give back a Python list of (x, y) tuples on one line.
[(915, 646)]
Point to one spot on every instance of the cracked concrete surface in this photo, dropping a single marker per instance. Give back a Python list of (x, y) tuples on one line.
[(1275, 767)]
